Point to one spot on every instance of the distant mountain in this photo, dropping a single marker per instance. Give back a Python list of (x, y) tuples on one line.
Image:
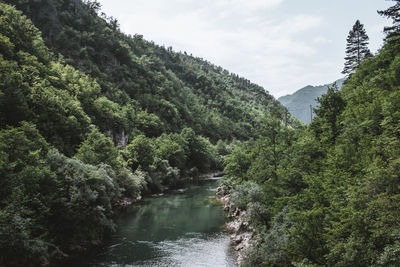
[(91, 117), (299, 103)]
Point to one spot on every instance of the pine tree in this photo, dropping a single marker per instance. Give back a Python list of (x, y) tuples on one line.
[(394, 14), (356, 49)]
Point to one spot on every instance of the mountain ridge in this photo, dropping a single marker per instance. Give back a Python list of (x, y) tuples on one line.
[(91, 118), (299, 102)]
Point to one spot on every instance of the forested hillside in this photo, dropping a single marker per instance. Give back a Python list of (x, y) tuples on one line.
[(164, 91), (299, 102), (329, 195), (91, 118)]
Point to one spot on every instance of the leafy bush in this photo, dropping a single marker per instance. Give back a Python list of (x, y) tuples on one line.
[(269, 247), (246, 193)]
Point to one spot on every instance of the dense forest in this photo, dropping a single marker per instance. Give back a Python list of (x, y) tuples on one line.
[(91, 117), (329, 194)]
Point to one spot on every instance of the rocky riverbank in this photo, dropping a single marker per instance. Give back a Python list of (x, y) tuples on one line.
[(242, 232), (125, 202)]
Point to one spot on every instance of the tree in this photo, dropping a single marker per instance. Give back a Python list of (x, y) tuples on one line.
[(141, 152), (326, 126), (356, 49), (394, 14), (270, 146), (98, 149)]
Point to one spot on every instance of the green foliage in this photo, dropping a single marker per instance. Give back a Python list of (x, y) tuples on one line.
[(238, 162), (326, 125), (172, 148), (31, 87), (390, 255), (269, 148), (46, 197), (141, 152), (393, 13), (98, 149), (170, 90), (223, 148), (337, 181), (89, 115), (356, 49), (21, 148), (270, 247), (299, 102), (163, 175), (245, 194), (198, 151), (170, 157), (88, 192), (16, 238)]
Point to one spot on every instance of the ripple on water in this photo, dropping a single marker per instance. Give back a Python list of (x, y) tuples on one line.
[(181, 229), (193, 251)]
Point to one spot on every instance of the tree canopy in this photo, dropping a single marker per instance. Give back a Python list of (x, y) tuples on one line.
[(393, 13), (356, 49), (332, 197), (91, 118)]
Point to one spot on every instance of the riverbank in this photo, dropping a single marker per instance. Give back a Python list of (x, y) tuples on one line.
[(242, 232), (179, 228), (119, 207)]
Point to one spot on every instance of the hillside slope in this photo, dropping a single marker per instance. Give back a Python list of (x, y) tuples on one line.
[(91, 118), (168, 90), (329, 195), (299, 102)]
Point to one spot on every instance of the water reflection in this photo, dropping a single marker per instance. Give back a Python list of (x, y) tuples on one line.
[(183, 228)]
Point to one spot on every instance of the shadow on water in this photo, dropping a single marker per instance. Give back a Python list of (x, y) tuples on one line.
[(181, 228)]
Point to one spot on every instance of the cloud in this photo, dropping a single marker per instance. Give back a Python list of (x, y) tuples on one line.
[(321, 40), (377, 28), (246, 5), (243, 36)]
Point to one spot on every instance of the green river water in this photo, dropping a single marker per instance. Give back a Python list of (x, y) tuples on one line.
[(180, 228)]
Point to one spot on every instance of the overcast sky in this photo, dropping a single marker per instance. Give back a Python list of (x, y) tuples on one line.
[(282, 45)]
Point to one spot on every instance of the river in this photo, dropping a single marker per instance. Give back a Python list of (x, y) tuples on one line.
[(180, 228)]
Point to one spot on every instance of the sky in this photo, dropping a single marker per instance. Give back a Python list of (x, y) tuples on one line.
[(282, 45)]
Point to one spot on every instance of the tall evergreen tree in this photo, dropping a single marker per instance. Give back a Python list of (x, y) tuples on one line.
[(356, 49), (394, 14)]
